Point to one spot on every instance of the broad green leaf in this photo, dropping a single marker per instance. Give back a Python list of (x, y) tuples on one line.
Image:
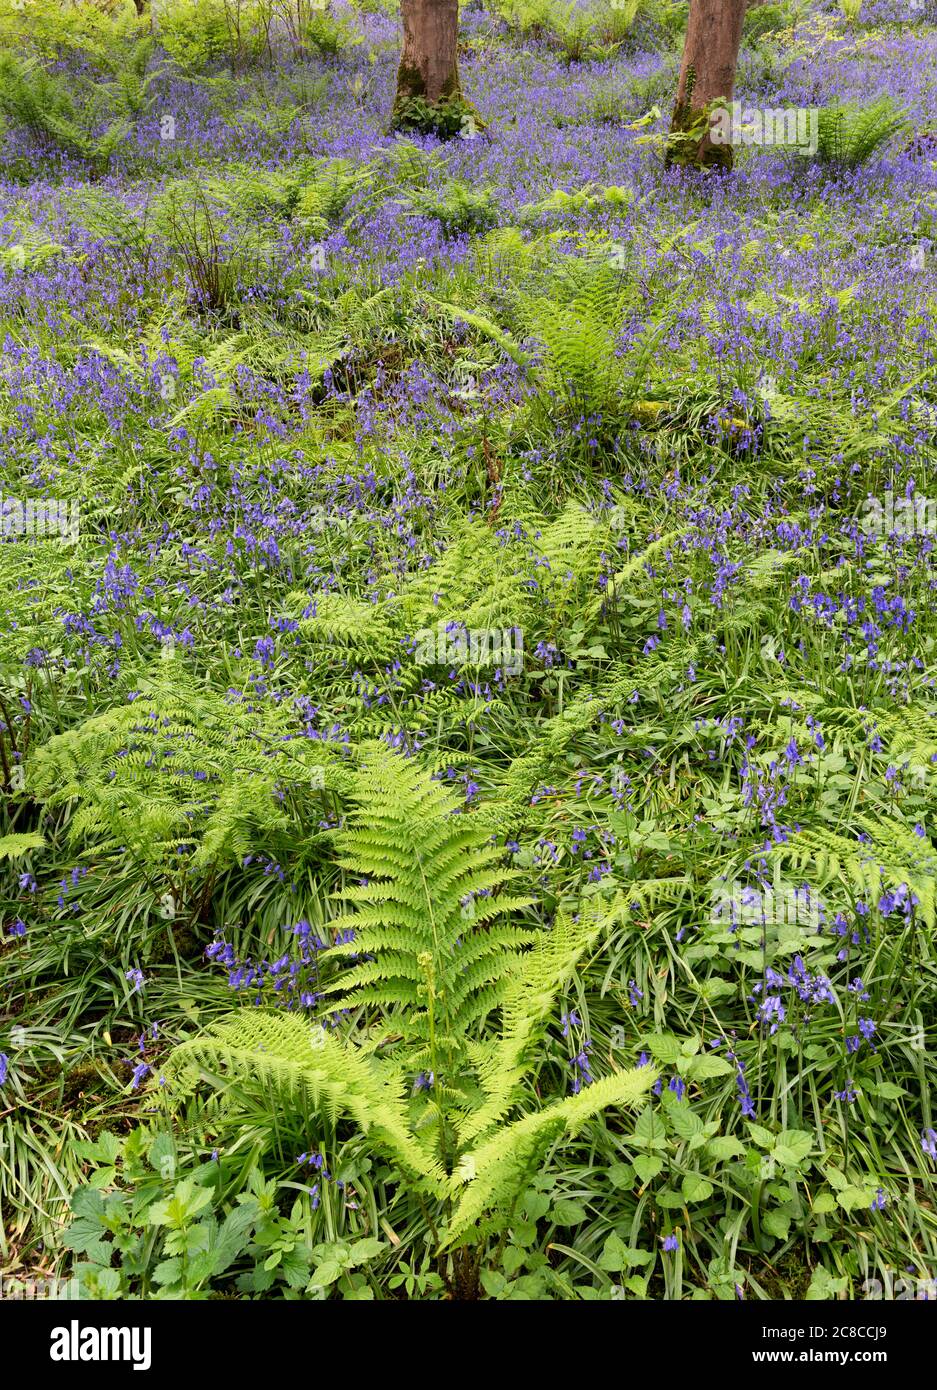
[(664, 1047), (823, 1286), (792, 1146), (777, 1223), (568, 1213), (684, 1121), (649, 1131), (707, 1066), (696, 1188), (725, 1146), (852, 1197), (647, 1168)]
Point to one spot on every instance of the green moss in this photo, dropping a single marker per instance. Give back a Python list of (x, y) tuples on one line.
[(445, 118), (685, 144)]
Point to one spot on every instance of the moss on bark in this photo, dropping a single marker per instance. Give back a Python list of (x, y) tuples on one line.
[(690, 143)]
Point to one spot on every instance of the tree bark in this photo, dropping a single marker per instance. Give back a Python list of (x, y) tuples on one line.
[(707, 74), (429, 66)]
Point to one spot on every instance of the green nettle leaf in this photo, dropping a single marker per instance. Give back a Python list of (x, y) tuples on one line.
[(707, 1066), (777, 1223), (103, 1178), (649, 1131), (107, 1282), (823, 1286), (617, 1255), (107, 1148), (621, 1175), (363, 1250), (168, 1271), (835, 1177), (792, 1146), (852, 1197), (613, 1254), (327, 1273), (715, 988), (664, 1047), (886, 1090), (684, 1121), (696, 1188), (761, 1136), (824, 1202), (535, 1204), (493, 1282), (86, 1237), (647, 1168), (162, 1154), (524, 1233), (569, 1213), (725, 1146), (186, 1202)]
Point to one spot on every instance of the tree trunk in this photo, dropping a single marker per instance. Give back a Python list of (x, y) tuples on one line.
[(429, 66), (707, 74)]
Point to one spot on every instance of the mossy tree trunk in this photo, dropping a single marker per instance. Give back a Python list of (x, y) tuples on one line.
[(707, 74), (429, 59)]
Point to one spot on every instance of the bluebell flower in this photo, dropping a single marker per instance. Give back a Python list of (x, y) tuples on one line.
[(582, 1075)]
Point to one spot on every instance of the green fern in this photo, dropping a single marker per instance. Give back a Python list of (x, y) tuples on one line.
[(431, 875), (848, 134), (35, 99), (181, 781), (892, 855), (437, 974)]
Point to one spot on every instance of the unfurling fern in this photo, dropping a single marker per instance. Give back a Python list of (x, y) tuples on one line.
[(439, 971)]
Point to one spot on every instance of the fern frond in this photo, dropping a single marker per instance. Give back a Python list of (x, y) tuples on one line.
[(429, 871), (501, 1064), (308, 1066), (491, 1176)]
